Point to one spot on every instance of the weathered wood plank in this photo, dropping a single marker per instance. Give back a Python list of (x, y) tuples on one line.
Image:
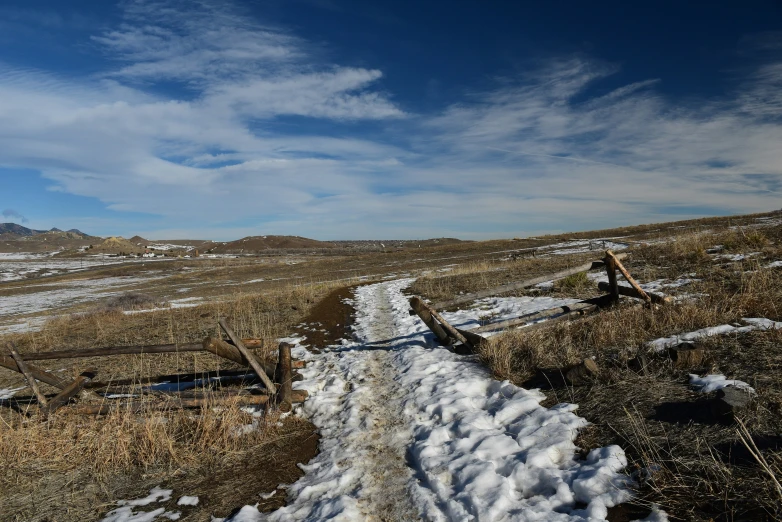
[(298, 396), (124, 350), (26, 372), (543, 314), (452, 332), (41, 375), (521, 284), (425, 315), (70, 391), (618, 264), (286, 378), (249, 357)]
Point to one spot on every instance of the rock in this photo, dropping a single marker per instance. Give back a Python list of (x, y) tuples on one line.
[(730, 402), (582, 373)]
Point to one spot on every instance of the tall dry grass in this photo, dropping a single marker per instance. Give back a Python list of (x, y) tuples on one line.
[(123, 440)]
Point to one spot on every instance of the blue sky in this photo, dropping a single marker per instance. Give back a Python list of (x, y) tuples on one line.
[(339, 119)]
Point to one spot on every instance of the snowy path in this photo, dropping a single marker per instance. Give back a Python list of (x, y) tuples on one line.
[(412, 432)]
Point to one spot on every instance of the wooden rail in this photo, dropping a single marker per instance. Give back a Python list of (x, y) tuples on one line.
[(521, 284)]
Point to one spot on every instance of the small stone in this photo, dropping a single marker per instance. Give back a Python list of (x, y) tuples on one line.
[(730, 401), (582, 373)]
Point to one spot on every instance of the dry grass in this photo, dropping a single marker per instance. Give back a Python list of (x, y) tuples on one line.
[(103, 452), (122, 440), (683, 460)]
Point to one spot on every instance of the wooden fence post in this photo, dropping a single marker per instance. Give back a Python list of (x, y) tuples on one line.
[(618, 264), (26, 372), (286, 378), (613, 286)]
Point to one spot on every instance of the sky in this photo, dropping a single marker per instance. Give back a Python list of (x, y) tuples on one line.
[(343, 119)]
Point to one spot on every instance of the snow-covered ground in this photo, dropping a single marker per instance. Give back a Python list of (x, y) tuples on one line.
[(68, 294), (752, 323), (23, 265), (412, 431), (583, 245), (19, 312), (15, 267)]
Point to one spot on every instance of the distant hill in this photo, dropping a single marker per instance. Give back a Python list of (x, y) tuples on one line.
[(18, 230), (116, 245), (138, 240), (253, 244), (8, 230)]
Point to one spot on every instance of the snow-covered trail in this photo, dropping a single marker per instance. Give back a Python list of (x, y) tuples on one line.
[(415, 432)]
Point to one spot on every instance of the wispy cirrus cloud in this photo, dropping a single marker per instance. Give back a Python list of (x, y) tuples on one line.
[(266, 131)]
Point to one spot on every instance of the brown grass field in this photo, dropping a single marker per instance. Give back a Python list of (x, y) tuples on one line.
[(75, 467)]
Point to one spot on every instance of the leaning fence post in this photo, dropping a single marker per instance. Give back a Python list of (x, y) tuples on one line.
[(248, 356), (618, 264), (26, 372)]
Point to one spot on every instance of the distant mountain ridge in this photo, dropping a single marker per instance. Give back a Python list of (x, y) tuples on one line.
[(22, 231)]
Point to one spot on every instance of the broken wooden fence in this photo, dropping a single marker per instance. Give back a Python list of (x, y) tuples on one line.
[(233, 349), (466, 341)]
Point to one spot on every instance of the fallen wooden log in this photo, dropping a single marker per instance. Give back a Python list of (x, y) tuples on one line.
[(426, 316), (117, 350), (522, 284), (232, 353), (544, 314), (249, 357), (618, 264), (631, 292), (560, 318), (475, 339), (298, 396), (41, 375), (26, 372), (286, 378), (70, 391), (124, 350), (452, 332)]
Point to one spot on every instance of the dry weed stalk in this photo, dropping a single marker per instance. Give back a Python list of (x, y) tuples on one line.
[(749, 443)]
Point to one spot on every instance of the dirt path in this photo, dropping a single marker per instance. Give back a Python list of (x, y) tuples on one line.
[(386, 497), (414, 432)]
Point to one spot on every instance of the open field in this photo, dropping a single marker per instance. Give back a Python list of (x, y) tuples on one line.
[(720, 270)]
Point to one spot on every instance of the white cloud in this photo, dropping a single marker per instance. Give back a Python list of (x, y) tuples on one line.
[(534, 154)]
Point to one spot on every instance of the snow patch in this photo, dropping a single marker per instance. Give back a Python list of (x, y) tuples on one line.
[(126, 512), (7, 393), (754, 323), (187, 501), (714, 382)]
